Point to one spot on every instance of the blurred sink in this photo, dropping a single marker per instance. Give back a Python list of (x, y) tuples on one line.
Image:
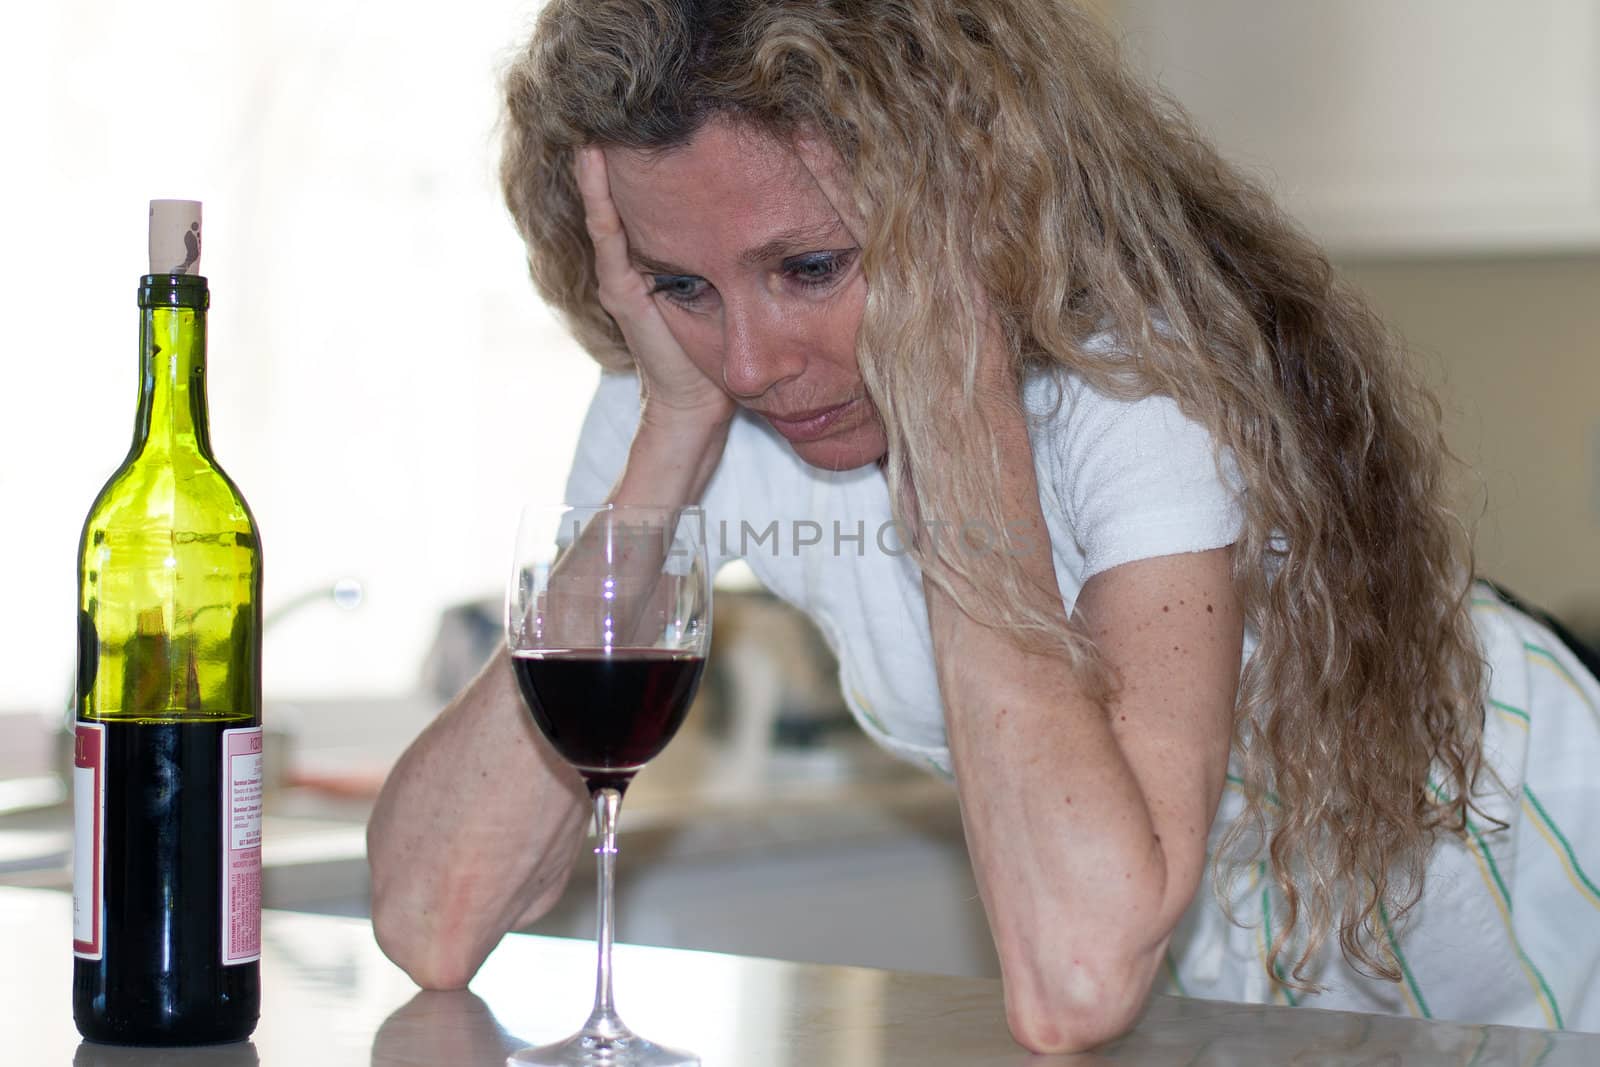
[(836, 855), (778, 830)]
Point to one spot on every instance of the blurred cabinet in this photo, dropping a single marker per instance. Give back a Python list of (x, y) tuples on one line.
[(1418, 126)]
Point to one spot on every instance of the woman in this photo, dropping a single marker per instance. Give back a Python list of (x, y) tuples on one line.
[(948, 263)]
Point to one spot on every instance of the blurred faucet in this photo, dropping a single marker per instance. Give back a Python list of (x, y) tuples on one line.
[(347, 593)]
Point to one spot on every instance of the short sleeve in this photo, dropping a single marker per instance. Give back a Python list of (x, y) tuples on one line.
[(604, 440), (1137, 479)]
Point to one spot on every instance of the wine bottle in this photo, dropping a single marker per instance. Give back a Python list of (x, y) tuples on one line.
[(167, 769)]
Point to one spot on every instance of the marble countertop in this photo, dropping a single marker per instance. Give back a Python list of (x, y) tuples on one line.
[(331, 998)]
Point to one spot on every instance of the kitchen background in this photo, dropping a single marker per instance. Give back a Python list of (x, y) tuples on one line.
[(387, 390)]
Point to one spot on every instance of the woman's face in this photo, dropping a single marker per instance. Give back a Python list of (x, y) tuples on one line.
[(759, 280)]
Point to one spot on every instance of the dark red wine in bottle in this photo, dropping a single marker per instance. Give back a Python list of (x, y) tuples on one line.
[(167, 773), (608, 713)]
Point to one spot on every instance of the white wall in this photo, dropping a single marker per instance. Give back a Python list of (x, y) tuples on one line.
[(385, 387), (1445, 126), (1514, 344), (1448, 151)]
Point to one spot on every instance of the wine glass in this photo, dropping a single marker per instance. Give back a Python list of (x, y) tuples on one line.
[(608, 621)]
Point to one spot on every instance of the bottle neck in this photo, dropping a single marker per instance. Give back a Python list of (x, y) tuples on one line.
[(172, 365)]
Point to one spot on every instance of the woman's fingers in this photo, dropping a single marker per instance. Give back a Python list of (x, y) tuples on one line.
[(612, 269), (670, 378), (623, 292)]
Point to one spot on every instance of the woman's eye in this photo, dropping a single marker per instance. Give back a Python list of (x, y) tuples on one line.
[(679, 288), (819, 269)]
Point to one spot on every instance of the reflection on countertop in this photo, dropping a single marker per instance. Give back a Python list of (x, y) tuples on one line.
[(329, 997)]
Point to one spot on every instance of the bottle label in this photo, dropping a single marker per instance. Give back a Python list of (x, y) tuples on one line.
[(88, 840), (241, 845)]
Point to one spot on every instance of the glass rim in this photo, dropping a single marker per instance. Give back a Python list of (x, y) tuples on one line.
[(676, 532)]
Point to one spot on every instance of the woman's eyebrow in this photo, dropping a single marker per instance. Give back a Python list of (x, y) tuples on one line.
[(799, 239), (651, 265), (788, 242)]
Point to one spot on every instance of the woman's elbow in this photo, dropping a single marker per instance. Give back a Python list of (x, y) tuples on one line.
[(414, 921), (434, 956), (1074, 1010)]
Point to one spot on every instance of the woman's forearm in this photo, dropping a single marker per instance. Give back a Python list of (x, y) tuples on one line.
[(476, 830), (1072, 874), (478, 825), (671, 459), (1088, 821), (1087, 818)]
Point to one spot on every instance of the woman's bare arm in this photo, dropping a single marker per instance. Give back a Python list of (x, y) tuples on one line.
[(1087, 823), (476, 831), (478, 825)]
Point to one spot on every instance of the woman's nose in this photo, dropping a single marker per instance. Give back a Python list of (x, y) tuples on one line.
[(758, 352)]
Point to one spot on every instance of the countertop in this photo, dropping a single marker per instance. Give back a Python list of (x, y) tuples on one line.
[(330, 997)]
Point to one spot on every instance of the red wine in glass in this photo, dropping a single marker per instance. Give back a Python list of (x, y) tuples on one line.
[(608, 713), (608, 622)]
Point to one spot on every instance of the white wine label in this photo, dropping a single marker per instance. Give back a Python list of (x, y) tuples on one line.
[(88, 840), (241, 845)]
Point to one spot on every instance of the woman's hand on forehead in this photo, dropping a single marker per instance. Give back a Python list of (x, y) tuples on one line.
[(673, 386)]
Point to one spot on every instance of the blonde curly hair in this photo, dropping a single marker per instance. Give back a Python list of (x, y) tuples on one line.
[(1002, 145)]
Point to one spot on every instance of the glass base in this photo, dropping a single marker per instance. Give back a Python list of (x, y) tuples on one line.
[(589, 1049)]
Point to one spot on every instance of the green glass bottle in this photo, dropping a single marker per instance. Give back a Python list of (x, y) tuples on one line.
[(167, 772)]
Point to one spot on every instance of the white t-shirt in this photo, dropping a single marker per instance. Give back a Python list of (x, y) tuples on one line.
[(1118, 480), (1121, 481)]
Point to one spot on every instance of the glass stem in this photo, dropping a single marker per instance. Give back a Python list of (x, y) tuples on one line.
[(603, 1020)]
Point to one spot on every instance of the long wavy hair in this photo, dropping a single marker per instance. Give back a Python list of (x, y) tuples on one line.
[(1001, 147)]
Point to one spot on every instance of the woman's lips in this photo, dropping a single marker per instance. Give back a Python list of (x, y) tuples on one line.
[(808, 426)]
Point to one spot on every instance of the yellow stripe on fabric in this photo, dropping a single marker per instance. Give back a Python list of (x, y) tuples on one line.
[(866, 711), (1541, 992), (1273, 971), (1563, 848), (1530, 802), (1419, 1006), (1517, 715), (1257, 877), (1264, 941), (1502, 899), (1544, 657)]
